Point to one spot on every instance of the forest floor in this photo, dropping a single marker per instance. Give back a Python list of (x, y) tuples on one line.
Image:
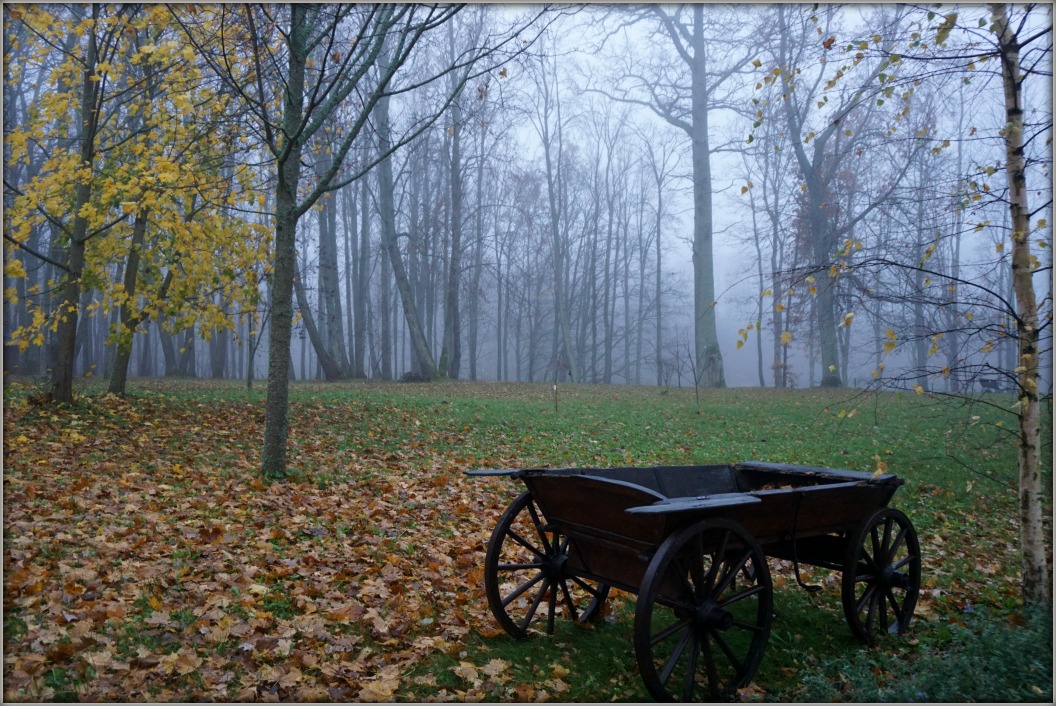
[(146, 560)]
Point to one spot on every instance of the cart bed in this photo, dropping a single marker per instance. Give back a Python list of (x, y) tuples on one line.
[(617, 517)]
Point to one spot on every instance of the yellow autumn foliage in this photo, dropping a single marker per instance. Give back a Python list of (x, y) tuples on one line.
[(159, 147)]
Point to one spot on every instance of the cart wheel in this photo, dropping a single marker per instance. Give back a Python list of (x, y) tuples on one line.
[(881, 576), (525, 573), (704, 612)]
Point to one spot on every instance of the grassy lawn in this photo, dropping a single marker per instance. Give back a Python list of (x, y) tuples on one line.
[(144, 559)]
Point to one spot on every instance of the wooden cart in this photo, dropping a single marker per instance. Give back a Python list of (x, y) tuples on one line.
[(692, 542)]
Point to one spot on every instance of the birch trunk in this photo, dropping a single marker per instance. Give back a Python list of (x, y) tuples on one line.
[(1036, 585)]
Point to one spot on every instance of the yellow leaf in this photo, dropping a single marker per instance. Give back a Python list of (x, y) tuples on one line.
[(757, 63), (14, 268), (740, 344), (832, 368), (467, 671), (918, 389), (786, 337), (766, 293), (495, 667), (383, 686)]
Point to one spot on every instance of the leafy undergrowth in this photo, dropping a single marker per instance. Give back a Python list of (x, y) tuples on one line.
[(144, 559)]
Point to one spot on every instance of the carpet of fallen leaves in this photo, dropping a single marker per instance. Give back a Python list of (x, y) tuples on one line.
[(145, 560)]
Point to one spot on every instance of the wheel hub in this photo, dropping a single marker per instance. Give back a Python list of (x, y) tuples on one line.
[(710, 616), (890, 578), (555, 569)]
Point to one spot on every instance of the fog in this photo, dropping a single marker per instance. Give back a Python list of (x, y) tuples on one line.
[(837, 174)]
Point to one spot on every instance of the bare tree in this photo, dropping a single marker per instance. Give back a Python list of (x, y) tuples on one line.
[(713, 47)]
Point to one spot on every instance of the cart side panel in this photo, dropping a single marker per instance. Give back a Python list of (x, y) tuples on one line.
[(692, 481), (809, 511), (606, 543)]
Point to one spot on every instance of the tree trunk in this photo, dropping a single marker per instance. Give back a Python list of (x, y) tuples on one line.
[(607, 283), (709, 371), (69, 301), (451, 355), (478, 257), (558, 237), (127, 322), (188, 360), (392, 248), (659, 286), (920, 324), (276, 410), (757, 243), (332, 322), (352, 283), (502, 366), (643, 258), (1036, 574), (218, 354), (362, 299), (386, 315), (251, 356), (330, 367), (823, 247), (168, 352)]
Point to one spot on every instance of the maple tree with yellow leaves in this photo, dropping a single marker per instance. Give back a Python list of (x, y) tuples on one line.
[(141, 206)]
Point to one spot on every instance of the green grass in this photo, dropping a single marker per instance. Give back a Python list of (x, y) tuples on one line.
[(985, 659), (957, 456)]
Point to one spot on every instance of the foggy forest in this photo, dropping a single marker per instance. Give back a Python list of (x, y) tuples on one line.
[(293, 292), (708, 195)]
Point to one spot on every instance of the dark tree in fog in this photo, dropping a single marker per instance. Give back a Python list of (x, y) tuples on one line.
[(713, 47)]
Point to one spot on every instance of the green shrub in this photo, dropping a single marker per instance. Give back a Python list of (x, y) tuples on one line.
[(987, 659)]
